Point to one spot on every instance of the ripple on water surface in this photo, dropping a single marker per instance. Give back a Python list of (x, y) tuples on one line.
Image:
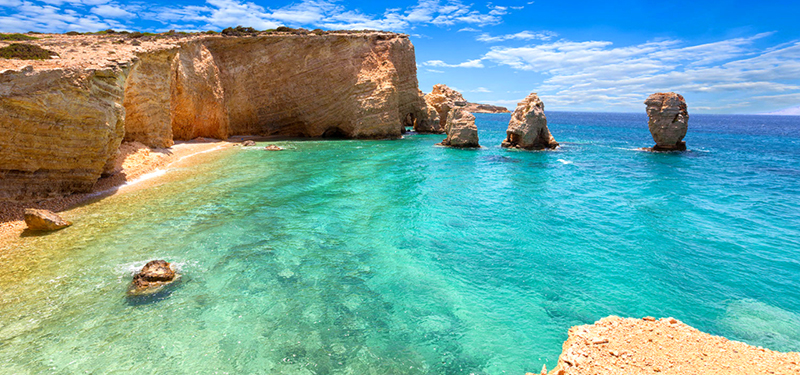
[(400, 257)]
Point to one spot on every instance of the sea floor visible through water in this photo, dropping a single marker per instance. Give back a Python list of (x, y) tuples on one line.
[(400, 257)]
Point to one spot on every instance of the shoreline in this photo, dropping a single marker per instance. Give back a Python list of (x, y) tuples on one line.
[(135, 165)]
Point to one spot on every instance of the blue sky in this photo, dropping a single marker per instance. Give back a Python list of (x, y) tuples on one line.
[(723, 56)]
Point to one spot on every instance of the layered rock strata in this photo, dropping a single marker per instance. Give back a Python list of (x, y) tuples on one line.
[(461, 130), (62, 121), (614, 345), (668, 121), (527, 128)]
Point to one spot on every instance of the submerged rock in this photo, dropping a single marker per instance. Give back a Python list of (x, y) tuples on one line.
[(153, 276), (273, 148), (44, 220), (668, 121), (248, 143), (527, 128), (461, 130)]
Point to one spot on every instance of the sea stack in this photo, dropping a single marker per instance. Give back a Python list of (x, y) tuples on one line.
[(460, 128), (528, 126), (668, 121), (443, 99)]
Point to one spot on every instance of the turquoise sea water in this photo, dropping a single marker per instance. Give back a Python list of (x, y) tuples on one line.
[(398, 257)]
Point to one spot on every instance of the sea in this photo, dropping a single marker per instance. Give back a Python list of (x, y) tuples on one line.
[(403, 257)]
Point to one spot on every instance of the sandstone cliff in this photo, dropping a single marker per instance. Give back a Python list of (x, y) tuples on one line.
[(62, 120), (527, 128), (668, 121)]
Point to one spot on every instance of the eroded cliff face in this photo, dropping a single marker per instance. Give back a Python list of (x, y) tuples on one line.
[(59, 129), (61, 123)]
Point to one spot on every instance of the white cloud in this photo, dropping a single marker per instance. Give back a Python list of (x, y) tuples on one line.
[(460, 30), (523, 35), (467, 64), (434, 71), (597, 72), (480, 89), (110, 11)]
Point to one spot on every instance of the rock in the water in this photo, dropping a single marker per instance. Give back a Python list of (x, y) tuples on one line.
[(430, 124), (668, 122), (528, 126), (44, 220), (153, 276), (461, 130), (248, 143), (442, 99), (273, 148)]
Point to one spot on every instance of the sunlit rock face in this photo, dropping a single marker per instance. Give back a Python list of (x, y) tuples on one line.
[(62, 121), (527, 128), (668, 121)]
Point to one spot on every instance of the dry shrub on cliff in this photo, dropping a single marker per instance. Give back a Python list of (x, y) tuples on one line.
[(239, 31), (24, 51), (17, 36)]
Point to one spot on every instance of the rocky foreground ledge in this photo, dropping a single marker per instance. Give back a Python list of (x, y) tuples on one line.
[(62, 120), (615, 345)]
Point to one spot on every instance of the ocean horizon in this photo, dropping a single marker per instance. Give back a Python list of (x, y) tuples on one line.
[(402, 257)]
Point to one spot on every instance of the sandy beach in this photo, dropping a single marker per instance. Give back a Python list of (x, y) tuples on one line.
[(134, 165)]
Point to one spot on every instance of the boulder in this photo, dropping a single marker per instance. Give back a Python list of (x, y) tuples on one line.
[(153, 276), (44, 220), (668, 121), (273, 148), (528, 126), (248, 143), (461, 130)]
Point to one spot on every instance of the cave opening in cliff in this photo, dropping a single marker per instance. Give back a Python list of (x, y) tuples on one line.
[(334, 132)]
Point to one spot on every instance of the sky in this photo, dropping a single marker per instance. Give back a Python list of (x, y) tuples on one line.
[(722, 56)]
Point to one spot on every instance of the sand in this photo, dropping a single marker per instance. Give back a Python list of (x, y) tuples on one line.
[(615, 345), (134, 161)]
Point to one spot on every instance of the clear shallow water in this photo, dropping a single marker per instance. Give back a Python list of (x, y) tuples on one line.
[(398, 257)]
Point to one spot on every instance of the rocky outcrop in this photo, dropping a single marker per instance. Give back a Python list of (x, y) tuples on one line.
[(430, 124), (614, 345), (527, 128), (668, 121), (461, 130), (443, 99), (152, 278), (61, 121), (485, 108), (44, 220)]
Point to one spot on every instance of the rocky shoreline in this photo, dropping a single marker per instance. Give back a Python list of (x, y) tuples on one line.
[(615, 345)]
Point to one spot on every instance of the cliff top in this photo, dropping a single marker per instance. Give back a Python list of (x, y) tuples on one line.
[(98, 51)]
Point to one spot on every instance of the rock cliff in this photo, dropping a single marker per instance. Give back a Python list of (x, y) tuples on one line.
[(62, 120), (485, 108), (668, 121), (527, 128), (443, 99), (461, 130)]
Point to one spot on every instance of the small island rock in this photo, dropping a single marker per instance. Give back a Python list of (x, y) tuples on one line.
[(461, 130), (527, 128), (44, 220), (153, 276), (668, 121)]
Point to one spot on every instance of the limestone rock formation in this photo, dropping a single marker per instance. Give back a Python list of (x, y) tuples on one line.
[(248, 143), (527, 128), (44, 220), (153, 276), (461, 130), (443, 99), (430, 124), (668, 121), (62, 120)]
